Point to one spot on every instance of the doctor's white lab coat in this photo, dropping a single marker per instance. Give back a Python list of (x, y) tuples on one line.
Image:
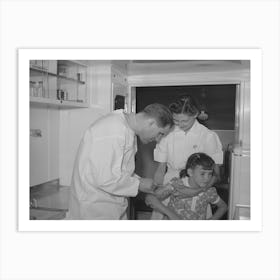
[(103, 174)]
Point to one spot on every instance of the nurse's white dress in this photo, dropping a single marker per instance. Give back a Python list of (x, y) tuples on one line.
[(177, 146), (103, 174)]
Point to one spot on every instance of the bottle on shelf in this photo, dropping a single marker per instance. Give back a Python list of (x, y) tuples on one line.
[(60, 94), (31, 88), (38, 89)]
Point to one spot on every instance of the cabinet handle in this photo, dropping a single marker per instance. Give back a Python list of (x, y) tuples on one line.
[(35, 133)]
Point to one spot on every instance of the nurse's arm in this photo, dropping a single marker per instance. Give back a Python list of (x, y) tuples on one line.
[(160, 172)]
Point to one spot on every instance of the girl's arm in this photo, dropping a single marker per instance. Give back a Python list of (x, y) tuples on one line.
[(221, 210), (159, 174), (156, 204)]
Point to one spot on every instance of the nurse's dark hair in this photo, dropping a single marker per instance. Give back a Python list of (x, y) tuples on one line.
[(198, 159), (185, 105), (160, 113)]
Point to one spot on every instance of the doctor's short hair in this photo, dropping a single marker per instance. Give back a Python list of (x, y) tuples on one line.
[(160, 113), (198, 159), (185, 105)]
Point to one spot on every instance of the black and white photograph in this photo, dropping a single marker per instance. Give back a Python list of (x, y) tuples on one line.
[(143, 139), (166, 126)]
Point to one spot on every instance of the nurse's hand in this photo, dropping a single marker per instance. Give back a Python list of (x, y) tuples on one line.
[(146, 185)]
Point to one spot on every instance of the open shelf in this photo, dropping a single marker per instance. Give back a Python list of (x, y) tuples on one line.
[(58, 83)]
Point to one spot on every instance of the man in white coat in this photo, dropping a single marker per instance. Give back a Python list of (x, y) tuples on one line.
[(103, 175)]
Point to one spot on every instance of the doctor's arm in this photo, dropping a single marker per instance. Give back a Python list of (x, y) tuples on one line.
[(108, 169)]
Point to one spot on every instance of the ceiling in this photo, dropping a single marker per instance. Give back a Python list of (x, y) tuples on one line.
[(190, 61), (150, 67), (138, 67)]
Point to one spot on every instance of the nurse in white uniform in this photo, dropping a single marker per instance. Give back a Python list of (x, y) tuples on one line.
[(188, 137), (103, 175)]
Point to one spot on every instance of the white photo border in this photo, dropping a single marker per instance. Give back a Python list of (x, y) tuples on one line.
[(255, 57)]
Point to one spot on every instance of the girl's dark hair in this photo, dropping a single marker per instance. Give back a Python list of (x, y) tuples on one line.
[(160, 113), (185, 105), (196, 159)]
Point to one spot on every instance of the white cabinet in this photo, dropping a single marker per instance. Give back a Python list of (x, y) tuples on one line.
[(44, 145)]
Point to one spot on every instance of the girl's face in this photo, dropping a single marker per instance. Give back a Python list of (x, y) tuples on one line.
[(185, 122), (200, 176)]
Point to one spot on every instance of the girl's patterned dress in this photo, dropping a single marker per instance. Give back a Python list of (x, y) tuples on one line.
[(194, 208)]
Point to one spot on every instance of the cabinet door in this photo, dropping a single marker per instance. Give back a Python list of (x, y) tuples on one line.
[(44, 145)]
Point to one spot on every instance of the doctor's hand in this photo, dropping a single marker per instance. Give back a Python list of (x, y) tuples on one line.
[(162, 192), (147, 185)]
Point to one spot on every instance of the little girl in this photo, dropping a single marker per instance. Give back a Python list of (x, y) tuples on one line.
[(196, 175)]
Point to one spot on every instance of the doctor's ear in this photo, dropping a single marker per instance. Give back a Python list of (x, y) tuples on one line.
[(152, 122)]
